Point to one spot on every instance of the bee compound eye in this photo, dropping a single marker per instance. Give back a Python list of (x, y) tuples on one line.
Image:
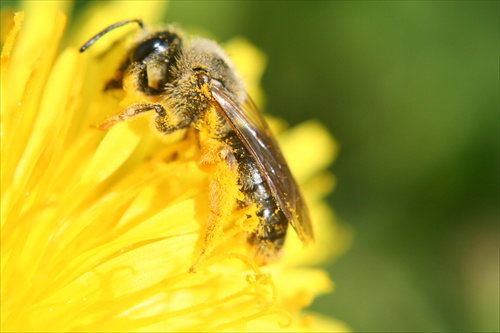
[(154, 45)]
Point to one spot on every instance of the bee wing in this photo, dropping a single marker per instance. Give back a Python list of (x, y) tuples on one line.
[(257, 138)]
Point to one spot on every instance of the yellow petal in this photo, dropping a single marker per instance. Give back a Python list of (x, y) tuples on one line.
[(117, 145), (100, 230)]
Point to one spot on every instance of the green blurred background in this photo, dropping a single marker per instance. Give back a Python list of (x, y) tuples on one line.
[(410, 90)]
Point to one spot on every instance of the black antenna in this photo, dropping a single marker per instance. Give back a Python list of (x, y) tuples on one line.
[(108, 29)]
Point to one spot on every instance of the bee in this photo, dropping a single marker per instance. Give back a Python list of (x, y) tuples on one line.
[(191, 82)]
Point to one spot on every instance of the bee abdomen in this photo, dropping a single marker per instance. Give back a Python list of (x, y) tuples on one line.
[(269, 236)]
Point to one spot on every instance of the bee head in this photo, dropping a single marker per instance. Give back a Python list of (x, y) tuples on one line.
[(153, 57), (149, 60)]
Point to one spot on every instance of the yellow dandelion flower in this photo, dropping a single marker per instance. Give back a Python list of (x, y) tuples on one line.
[(99, 230)]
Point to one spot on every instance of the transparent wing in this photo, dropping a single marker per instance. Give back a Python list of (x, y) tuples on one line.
[(257, 138)]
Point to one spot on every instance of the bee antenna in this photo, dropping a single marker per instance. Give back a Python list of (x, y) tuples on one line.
[(92, 40)]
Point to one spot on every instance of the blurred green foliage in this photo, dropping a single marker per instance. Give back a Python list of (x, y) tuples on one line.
[(410, 89)]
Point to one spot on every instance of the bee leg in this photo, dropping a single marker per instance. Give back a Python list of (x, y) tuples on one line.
[(130, 112), (218, 159), (114, 84), (117, 81)]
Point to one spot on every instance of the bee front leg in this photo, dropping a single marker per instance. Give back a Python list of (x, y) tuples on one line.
[(218, 160), (130, 112), (163, 122)]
